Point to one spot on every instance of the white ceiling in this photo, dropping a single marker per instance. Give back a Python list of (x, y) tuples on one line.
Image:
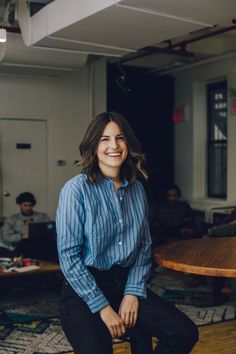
[(63, 34)]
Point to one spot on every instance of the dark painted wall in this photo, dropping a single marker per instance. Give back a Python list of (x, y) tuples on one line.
[(147, 102)]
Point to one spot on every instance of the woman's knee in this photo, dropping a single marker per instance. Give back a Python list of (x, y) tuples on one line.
[(187, 332), (194, 333), (163, 320)]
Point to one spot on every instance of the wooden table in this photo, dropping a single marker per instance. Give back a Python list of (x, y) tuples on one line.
[(45, 268), (213, 256)]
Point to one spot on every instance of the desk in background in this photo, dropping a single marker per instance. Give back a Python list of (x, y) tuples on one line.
[(44, 268)]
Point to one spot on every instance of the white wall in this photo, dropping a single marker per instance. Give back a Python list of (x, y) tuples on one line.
[(190, 135), (66, 104), (98, 76)]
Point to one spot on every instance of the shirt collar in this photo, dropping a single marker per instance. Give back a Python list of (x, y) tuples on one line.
[(109, 181)]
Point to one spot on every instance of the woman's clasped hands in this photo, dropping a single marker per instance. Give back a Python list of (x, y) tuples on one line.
[(118, 323)]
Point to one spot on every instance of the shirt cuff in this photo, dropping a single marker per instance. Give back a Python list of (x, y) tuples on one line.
[(97, 303), (138, 291)]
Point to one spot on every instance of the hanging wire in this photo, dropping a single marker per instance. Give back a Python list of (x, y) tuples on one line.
[(121, 80)]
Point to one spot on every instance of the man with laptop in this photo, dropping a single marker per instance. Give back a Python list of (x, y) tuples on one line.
[(29, 233), (174, 219)]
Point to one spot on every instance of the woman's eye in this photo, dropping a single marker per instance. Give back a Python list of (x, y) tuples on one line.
[(120, 138), (104, 139)]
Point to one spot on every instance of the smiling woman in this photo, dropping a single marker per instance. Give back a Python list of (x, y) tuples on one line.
[(112, 151), (95, 134), (105, 256)]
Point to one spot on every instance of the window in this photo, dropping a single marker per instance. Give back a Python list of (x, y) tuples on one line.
[(217, 140)]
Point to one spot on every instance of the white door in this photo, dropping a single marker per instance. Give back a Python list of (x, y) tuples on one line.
[(24, 162)]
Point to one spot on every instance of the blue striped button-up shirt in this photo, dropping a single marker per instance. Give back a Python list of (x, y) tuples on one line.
[(99, 227)]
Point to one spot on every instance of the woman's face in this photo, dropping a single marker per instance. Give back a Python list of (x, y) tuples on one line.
[(112, 150)]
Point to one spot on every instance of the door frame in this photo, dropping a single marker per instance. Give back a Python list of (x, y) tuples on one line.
[(2, 118)]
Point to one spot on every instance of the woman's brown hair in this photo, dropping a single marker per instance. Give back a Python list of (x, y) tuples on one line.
[(88, 148)]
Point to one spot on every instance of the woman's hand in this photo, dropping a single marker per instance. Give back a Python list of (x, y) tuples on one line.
[(113, 321), (128, 310)]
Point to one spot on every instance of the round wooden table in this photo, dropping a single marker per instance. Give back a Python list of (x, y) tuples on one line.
[(207, 256)]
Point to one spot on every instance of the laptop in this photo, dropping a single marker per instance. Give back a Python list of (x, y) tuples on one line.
[(172, 217), (42, 230), (42, 240)]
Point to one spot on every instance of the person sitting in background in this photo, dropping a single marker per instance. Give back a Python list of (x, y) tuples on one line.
[(174, 218), (15, 228)]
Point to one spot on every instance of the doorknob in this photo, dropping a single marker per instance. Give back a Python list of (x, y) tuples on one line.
[(6, 194)]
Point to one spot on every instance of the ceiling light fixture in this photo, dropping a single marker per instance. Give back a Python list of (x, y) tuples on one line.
[(3, 32)]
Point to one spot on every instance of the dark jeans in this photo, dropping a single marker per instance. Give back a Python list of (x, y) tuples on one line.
[(158, 318)]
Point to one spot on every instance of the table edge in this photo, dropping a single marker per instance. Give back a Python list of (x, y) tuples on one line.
[(181, 267)]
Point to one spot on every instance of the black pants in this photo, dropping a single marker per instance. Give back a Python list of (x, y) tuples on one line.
[(158, 318)]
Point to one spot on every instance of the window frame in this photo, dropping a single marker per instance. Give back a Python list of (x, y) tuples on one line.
[(216, 148)]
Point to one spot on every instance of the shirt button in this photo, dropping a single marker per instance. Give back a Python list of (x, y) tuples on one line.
[(120, 221), (121, 198), (120, 243)]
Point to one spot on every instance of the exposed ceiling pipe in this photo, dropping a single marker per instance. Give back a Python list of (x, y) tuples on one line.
[(144, 52), (204, 36), (193, 65), (178, 48)]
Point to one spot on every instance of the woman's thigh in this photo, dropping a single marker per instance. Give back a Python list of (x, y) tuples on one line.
[(161, 319), (85, 331)]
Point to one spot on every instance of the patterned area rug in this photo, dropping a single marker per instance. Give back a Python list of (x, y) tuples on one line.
[(173, 286), (30, 323), (32, 335)]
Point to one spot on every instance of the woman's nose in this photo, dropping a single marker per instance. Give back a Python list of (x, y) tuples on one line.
[(114, 143)]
